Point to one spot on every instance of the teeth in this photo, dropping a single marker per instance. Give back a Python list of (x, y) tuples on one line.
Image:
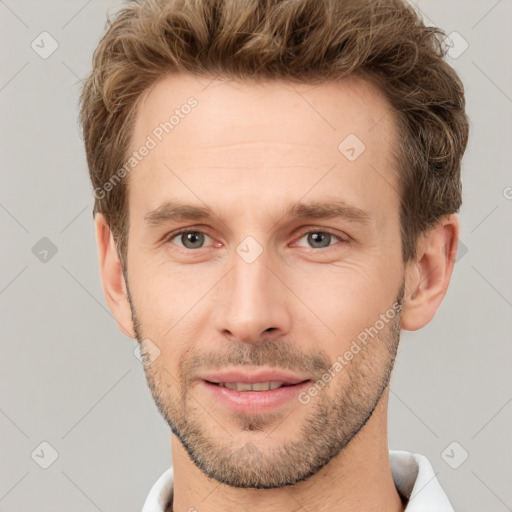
[(245, 386)]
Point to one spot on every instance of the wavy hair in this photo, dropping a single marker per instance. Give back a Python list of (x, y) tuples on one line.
[(305, 41)]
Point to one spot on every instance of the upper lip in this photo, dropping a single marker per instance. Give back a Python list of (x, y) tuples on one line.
[(251, 377)]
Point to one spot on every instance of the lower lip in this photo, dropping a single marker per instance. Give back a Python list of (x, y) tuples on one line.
[(254, 401)]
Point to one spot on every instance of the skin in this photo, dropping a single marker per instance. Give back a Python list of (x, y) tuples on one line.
[(247, 151)]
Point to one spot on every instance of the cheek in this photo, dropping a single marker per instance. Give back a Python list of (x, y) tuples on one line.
[(346, 299), (159, 285), (166, 299)]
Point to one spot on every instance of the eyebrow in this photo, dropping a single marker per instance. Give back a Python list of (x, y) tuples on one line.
[(175, 211)]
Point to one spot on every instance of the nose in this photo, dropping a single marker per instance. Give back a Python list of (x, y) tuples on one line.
[(252, 303)]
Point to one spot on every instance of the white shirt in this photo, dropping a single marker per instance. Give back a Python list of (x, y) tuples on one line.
[(412, 473)]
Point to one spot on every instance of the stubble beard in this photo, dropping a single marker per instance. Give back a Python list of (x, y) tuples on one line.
[(336, 414)]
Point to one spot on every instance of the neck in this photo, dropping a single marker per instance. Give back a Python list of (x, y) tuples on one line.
[(358, 479)]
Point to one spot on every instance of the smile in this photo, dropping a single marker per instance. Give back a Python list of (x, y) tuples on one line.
[(255, 386)]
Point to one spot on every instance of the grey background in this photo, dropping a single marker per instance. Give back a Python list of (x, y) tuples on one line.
[(71, 379)]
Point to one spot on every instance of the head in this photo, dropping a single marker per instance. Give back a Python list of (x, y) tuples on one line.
[(310, 151)]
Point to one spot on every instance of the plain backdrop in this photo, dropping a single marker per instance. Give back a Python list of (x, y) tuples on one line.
[(70, 380)]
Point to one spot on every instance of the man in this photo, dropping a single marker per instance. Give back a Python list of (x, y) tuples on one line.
[(276, 185)]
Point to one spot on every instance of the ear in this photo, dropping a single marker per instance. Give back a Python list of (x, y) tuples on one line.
[(111, 271), (428, 277)]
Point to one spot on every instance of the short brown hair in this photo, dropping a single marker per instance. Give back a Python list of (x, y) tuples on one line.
[(306, 41)]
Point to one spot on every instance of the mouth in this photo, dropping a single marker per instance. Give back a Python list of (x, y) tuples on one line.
[(253, 393), (254, 386)]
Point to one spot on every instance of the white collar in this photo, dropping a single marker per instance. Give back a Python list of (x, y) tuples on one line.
[(415, 479), (412, 473)]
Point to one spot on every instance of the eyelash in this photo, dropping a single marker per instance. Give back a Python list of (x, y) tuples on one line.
[(321, 231)]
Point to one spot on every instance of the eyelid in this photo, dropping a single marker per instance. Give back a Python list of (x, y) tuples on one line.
[(170, 236), (319, 229), (343, 238)]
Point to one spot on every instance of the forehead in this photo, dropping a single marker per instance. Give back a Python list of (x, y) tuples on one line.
[(270, 138), (261, 109)]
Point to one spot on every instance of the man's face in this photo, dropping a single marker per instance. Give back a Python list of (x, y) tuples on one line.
[(266, 290)]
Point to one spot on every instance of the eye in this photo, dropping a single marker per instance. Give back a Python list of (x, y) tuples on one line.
[(192, 239), (320, 239), (189, 239)]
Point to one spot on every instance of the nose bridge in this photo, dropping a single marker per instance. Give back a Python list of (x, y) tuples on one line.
[(252, 302)]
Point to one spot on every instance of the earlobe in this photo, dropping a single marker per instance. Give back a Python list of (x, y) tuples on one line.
[(428, 277), (112, 278)]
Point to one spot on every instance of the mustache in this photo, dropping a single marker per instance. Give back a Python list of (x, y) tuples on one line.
[(269, 353)]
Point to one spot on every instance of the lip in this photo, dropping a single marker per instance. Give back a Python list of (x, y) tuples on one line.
[(253, 402), (248, 377)]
